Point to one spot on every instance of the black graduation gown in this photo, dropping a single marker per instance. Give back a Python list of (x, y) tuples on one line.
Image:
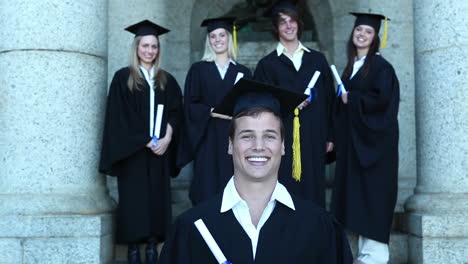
[(143, 178), (208, 137), (305, 235), (366, 181), (315, 121)]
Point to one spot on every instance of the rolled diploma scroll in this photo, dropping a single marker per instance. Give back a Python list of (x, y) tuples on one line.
[(159, 114), (338, 79), (238, 77), (205, 233), (312, 82)]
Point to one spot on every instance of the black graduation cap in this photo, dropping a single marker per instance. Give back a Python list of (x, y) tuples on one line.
[(145, 28), (248, 94), (373, 20), (280, 5), (219, 22)]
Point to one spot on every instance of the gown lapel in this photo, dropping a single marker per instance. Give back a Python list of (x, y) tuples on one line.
[(275, 236)]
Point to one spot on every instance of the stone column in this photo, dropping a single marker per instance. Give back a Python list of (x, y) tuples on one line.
[(53, 203), (438, 212)]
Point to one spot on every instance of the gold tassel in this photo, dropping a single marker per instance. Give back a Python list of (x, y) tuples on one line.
[(385, 33), (297, 167), (234, 36)]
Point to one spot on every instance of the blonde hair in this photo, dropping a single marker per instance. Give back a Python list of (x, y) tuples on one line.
[(210, 55), (136, 79)]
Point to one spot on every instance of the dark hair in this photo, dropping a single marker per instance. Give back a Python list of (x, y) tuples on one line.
[(254, 112), (352, 53), (294, 16)]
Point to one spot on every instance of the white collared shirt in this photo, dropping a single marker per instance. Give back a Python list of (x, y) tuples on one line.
[(357, 65), (149, 77), (223, 70), (233, 201), (297, 55)]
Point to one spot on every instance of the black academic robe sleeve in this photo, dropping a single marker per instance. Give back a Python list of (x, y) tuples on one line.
[(124, 130), (176, 248), (174, 103), (197, 112), (373, 112), (174, 117), (337, 250)]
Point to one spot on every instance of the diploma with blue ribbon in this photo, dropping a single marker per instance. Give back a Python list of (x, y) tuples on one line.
[(209, 240), (157, 125), (341, 88), (311, 86)]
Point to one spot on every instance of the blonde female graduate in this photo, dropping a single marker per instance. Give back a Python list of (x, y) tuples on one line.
[(143, 114), (207, 82)]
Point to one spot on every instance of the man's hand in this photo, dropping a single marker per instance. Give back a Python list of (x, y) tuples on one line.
[(304, 104), (344, 98), (329, 146)]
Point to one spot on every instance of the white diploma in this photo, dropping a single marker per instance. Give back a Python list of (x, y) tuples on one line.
[(338, 79), (159, 115), (205, 233), (312, 82), (239, 76), (151, 113)]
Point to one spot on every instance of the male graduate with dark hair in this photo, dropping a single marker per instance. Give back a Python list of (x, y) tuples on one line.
[(255, 219), (291, 66)]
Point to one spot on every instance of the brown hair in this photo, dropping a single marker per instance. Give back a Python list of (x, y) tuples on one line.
[(352, 53), (254, 112), (294, 16)]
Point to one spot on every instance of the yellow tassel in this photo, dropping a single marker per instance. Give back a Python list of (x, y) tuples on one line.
[(297, 167), (385, 33), (234, 36)]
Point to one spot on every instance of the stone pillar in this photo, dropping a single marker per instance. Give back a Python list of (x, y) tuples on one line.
[(438, 212), (53, 202)]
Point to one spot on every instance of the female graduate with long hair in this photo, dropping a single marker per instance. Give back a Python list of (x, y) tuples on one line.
[(144, 109), (366, 181), (206, 84)]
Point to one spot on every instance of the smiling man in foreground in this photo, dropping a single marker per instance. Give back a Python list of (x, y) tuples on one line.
[(255, 219)]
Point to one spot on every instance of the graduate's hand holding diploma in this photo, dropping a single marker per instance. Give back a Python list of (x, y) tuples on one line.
[(341, 88), (162, 144), (210, 242), (329, 146), (310, 90), (304, 104), (344, 98)]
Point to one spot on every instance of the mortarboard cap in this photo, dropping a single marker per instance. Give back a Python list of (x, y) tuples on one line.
[(279, 6), (248, 94), (145, 28), (219, 22), (373, 20)]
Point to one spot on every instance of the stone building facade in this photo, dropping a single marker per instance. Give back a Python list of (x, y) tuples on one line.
[(57, 58)]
